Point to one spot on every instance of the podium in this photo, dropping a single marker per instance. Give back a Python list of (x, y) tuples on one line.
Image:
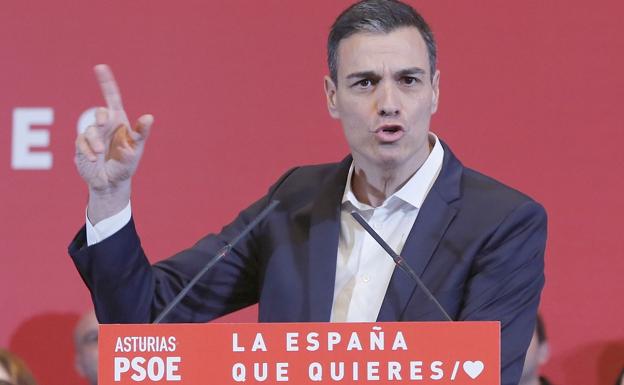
[(301, 353)]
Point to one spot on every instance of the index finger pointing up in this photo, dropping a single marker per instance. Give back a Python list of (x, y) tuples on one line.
[(109, 87)]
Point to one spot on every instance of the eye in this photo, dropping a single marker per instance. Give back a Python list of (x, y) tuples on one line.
[(364, 83), (410, 80)]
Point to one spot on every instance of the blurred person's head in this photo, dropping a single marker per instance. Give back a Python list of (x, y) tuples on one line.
[(13, 371), (536, 356), (86, 346)]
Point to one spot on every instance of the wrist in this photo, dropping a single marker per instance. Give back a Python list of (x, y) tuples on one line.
[(111, 190), (104, 203)]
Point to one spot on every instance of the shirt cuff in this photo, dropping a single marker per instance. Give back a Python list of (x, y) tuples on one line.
[(107, 227)]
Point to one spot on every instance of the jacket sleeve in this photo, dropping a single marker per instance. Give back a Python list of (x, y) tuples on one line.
[(506, 282), (126, 288)]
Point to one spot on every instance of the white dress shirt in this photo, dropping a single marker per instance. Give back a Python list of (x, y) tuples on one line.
[(107, 227), (363, 269)]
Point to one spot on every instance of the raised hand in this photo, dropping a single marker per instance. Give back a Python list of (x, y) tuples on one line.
[(108, 153)]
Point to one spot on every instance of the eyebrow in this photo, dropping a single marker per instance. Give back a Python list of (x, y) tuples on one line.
[(412, 71), (375, 75), (363, 74)]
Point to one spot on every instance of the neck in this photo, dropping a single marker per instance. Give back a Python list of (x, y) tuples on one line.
[(373, 188), (373, 184)]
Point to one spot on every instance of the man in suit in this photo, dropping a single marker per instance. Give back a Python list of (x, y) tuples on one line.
[(477, 244)]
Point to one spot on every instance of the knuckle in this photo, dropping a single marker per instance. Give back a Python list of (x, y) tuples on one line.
[(101, 115)]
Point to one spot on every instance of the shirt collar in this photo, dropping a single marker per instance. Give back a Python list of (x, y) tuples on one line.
[(415, 190)]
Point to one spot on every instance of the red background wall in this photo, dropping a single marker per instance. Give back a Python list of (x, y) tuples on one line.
[(531, 93)]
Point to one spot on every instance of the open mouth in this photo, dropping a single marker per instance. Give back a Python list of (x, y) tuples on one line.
[(389, 133), (391, 129)]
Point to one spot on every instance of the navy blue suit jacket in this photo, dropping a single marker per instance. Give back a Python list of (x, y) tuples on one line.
[(477, 244)]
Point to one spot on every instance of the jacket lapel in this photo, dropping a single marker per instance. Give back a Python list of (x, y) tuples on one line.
[(323, 246), (436, 214)]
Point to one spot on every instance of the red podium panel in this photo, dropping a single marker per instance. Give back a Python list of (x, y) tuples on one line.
[(301, 353)]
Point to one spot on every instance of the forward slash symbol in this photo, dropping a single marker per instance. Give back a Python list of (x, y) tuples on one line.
[(455, 368)]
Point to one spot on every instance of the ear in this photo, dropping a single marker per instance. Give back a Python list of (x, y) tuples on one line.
[(435, 84), (330, 93)]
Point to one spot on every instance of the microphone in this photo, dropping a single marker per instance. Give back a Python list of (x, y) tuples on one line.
[(218, 256), (399, 261)]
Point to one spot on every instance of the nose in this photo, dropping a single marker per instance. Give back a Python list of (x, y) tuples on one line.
[(388, 103)]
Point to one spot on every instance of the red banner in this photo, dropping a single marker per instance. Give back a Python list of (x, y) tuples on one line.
[(301, 353)]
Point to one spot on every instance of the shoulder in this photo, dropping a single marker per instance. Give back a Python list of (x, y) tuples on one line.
[(481, 199), (304, 183), (485, 190), (503, 210)]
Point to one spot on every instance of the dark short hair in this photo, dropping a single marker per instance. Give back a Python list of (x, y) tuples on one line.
[(377, 16)]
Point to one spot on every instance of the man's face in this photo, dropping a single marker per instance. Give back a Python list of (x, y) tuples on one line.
[(537, 355), (531, 361), (384, 97), (86, 342)]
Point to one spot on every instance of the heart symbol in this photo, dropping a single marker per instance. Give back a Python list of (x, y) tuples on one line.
[(473, 368)]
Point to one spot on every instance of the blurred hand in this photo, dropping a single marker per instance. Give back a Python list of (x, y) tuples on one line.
[(108, 153)]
